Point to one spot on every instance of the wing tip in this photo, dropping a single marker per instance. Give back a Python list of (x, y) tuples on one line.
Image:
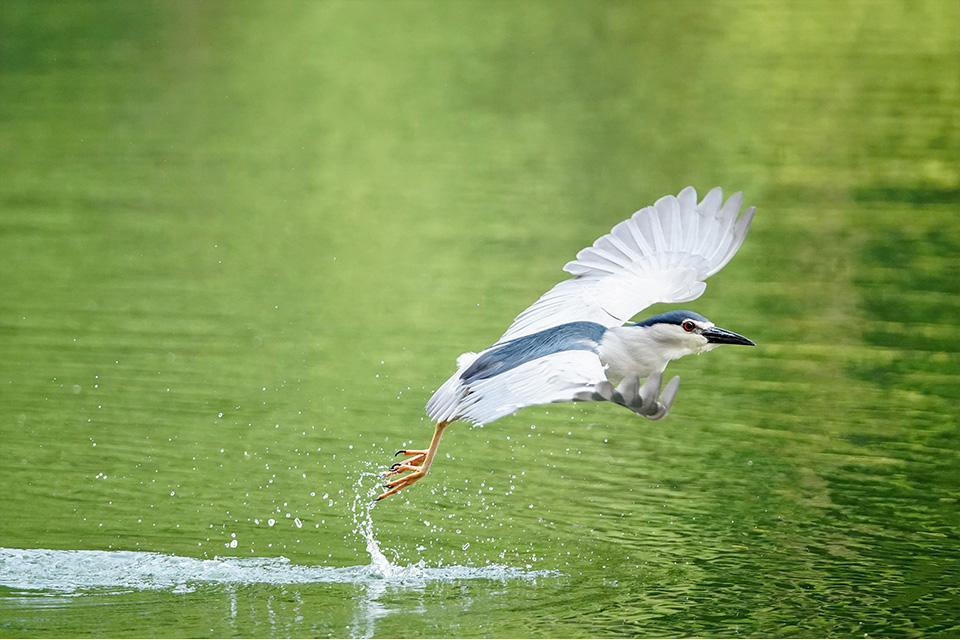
[(674, 233)]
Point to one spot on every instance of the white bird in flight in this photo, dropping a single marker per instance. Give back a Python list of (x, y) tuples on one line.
[(575, 342)]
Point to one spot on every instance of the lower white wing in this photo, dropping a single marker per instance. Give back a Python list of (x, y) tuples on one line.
[(662, 253), (559, 377)]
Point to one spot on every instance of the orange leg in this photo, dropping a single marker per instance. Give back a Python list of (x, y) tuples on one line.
[(418, 464)]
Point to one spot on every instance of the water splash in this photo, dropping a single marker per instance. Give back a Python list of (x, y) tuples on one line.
[(69, 572), (79, 571), (362, 509)]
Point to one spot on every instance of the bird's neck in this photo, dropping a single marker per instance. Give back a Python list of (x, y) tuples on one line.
[(636, 350)]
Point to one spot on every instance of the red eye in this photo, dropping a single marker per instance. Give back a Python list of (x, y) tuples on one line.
[(688, 325)]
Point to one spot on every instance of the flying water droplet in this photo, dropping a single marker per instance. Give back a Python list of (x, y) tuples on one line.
[(363, 521)]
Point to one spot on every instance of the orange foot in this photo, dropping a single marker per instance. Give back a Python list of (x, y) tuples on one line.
[(414, 465), (418, 464)]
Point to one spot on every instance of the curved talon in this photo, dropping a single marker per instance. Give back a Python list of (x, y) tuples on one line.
[(392, 471), (417, 464), (392, 491), (405, 480)]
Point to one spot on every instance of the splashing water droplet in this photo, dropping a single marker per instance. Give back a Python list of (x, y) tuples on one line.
[(363, 521)]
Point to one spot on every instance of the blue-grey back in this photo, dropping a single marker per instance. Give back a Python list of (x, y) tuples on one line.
[(573, 336)]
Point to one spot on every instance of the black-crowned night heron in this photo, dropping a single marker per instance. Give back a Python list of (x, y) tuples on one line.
[(572, 343)]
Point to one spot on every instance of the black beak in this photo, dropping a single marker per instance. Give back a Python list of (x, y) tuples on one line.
[(716, 335)]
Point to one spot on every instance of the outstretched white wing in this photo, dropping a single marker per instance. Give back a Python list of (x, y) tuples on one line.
[(661, 253)]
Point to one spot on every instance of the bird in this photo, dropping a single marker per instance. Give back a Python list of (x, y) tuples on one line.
[(576, 342)]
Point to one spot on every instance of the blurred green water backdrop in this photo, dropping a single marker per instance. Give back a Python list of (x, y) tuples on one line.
[(240, 245)]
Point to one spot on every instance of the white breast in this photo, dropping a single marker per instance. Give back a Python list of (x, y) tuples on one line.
[(644, 350)]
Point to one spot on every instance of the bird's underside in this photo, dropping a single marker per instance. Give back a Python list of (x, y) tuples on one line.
[(642, 400), (554, 350)]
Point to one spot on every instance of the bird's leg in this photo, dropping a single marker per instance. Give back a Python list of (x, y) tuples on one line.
[(418, 464)]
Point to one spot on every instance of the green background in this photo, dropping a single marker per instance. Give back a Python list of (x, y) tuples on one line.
[(242, 243)]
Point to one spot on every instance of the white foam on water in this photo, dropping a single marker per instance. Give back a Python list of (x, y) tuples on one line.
[(78, 571), (67, 572)]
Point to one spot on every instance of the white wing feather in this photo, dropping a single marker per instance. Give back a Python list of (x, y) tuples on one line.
[(661, 253), (559, 377)]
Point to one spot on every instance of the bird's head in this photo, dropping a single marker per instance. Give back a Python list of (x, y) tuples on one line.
[(681, 333)]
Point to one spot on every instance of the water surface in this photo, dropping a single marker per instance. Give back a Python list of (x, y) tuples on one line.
[(240, 247)]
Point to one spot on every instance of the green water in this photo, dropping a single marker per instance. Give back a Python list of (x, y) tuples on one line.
[(240, 245)]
